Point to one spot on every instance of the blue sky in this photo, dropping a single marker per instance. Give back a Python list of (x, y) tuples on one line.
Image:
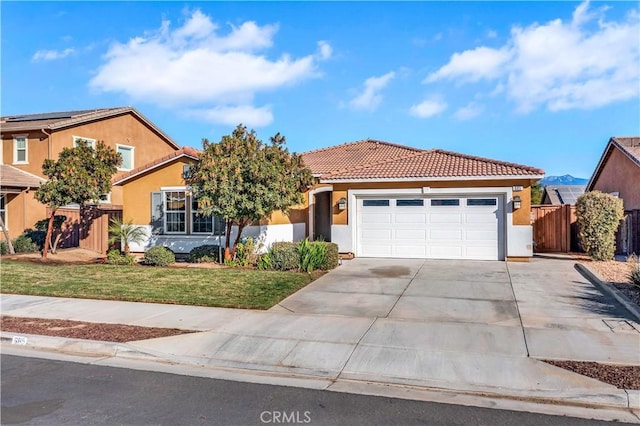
[(544, 83)]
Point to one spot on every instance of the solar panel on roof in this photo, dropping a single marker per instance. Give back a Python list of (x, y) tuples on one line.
[(47, 116)]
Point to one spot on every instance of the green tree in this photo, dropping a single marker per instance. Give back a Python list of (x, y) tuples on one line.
[(598, 216), (80, 174), (243, 180), (43, 224), (126, 233), (536, 193)]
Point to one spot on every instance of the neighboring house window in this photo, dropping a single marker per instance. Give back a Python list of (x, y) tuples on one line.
[(126, 152), (202, 224), (105, 199), (175, 212), (20, 149), (3, 211), (92, 142)]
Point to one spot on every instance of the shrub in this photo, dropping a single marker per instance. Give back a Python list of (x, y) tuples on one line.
[(115, 257), (126, 233), (24, 244), (206, 253), (159, 256), (284, 256), (332, 257), (4, 248), (246, 252), (312, 255), (598, 217), (264, 261), (37, 236), (634, 275)]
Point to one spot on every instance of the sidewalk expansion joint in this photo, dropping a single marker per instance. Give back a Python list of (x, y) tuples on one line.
[(515, 299)]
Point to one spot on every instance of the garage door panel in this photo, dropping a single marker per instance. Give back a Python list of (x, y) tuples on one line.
[(431, 227), (452, 217), (411, 218)]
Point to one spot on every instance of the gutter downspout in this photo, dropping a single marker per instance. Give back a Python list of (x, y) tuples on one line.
[(50, 148)]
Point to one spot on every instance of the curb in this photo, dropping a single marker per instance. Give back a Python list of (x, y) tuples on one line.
[(609, 289), (114, 350)]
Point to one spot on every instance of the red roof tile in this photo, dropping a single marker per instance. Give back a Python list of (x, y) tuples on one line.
[(371, 160)]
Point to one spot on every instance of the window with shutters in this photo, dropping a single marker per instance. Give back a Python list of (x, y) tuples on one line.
[(176, 212), (175, 221)]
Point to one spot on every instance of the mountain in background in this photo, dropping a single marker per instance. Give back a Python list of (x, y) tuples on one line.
[(563, 180)]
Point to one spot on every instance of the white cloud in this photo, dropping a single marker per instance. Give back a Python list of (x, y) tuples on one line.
[(51, 55), (492, 34), (195, 66), (585, 63), (469, 111), (370, 97), (233, 115), (428, 108)]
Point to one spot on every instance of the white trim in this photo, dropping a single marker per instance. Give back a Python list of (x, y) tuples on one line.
[(107, 198), (312, 206), (173, 188), (92, 141), (155, 166), (15, 148), (132, 151), (166, 213), (435, 179), (6, 213), (506, 193)]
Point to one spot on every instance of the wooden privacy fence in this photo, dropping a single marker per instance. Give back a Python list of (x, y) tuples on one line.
[(554, 229), (87, 227)]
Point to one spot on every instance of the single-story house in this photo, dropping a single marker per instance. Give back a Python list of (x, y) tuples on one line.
[(371, 198), (557, 195), (618, 173)]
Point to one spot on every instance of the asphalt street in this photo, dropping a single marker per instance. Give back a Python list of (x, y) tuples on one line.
[(45, 392)]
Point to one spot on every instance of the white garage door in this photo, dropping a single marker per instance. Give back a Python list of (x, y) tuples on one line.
[(455, 227)]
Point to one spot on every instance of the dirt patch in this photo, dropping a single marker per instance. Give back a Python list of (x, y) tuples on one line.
[(85, 330), (616, 273), (620, 376), (72, 256)]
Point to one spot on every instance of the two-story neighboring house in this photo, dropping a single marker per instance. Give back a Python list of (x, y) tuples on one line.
[(27, 140)]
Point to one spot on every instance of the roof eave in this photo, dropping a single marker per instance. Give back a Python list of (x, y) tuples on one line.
[(434, 178), (155, 166)]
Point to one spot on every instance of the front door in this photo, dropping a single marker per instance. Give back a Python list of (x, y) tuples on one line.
[(322, 216)]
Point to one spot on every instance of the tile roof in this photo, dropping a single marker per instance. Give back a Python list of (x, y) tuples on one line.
[(630, 146), (12, 177), (183, 152), (352, 154), (64, 119), (364, 160)]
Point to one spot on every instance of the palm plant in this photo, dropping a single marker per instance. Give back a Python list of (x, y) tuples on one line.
[(126, 233)]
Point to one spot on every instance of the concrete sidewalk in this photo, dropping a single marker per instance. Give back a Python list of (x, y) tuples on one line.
[(410, 342)]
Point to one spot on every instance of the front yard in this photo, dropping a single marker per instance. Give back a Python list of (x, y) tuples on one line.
[(231, 288)]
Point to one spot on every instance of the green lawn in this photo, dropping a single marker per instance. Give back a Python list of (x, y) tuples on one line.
[(232, 288)]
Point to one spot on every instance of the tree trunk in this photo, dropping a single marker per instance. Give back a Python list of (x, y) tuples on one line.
[(54, 245), (47, 239), (227, 252), (6, 237), (241, 224), (126, 249)]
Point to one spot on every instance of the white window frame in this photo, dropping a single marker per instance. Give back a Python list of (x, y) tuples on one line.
[(107, 198), (132, 151), (15, 149), (167, 211), (192, 213), (92, 142), (4, 210)]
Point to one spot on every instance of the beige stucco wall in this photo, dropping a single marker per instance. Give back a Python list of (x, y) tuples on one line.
[(23, 211), (620, 174)]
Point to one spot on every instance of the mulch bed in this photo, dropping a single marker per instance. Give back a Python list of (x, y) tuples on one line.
[(620, 376), (119, 333)]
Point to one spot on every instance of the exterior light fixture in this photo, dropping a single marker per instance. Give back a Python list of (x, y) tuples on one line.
[(517, 203), (342, 204)]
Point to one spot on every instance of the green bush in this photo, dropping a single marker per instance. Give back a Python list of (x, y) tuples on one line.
[(332, 257), (264, 261), (159, 256), (246, 252), (4, 248), (206, 253), (284, 256), (37, 236), (24, 244), (116, 257), (634, 275), (598, 216), (312, 255)]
